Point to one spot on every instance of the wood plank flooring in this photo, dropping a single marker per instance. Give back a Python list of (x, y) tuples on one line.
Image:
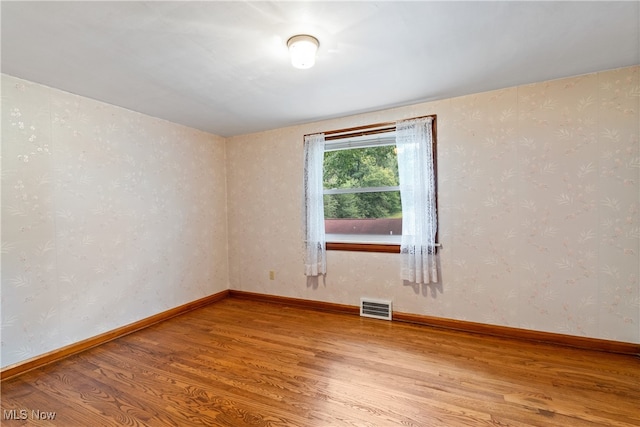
[(246, 363)]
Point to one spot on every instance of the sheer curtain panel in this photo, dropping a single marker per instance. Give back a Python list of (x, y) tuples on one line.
[(414, 141), (316, 252)]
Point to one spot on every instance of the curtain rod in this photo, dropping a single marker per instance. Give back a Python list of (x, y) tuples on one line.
[(364, 130)]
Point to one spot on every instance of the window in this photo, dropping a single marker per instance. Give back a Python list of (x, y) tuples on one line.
[(361, 190), (361, 193)]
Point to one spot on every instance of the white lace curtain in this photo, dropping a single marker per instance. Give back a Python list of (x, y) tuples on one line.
[(316, 252), (417, 191)]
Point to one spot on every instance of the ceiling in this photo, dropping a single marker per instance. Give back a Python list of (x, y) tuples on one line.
[(223, 67)]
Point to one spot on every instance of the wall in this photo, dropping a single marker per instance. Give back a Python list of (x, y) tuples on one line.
[(108, 217), (539, 193)]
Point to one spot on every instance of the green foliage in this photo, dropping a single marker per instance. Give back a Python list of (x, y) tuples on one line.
[(359, 168)]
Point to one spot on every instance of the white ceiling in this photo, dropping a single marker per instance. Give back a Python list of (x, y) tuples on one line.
[(222, 66)]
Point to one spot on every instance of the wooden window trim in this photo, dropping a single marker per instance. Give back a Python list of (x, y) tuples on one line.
[(372, 130), (363, 247)]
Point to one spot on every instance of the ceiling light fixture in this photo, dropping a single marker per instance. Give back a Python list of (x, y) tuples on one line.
[(303, 50)]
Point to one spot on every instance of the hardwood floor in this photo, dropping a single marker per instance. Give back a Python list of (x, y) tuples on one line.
[(246, 363)]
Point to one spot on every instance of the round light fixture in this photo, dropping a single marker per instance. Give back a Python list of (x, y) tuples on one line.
[(303, 50)]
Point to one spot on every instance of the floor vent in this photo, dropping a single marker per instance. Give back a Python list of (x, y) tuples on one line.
[(378, 309)]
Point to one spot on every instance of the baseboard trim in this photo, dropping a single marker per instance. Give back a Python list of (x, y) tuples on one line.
[(595, 344), (574, 341), (297, 302), (55, 355)]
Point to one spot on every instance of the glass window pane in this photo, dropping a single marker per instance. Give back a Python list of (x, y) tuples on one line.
[(366, 226), (377, 213), (361, 167)]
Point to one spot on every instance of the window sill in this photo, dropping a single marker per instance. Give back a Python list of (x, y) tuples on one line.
[(363, 247)]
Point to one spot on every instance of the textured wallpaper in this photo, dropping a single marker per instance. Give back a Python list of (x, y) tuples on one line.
[(539, 199), (108, 217)]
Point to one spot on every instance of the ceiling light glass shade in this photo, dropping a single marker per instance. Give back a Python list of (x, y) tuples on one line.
[(303, 50)]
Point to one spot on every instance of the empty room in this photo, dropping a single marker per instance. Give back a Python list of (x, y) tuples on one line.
[(281, 213)]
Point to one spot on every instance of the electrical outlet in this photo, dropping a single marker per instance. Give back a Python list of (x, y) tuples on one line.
[(272, 275)]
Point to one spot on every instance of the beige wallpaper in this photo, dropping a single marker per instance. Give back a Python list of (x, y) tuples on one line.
[(539, 193), (108, 217)]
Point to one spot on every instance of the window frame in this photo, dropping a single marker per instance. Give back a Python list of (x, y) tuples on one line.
[(374, 129)]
